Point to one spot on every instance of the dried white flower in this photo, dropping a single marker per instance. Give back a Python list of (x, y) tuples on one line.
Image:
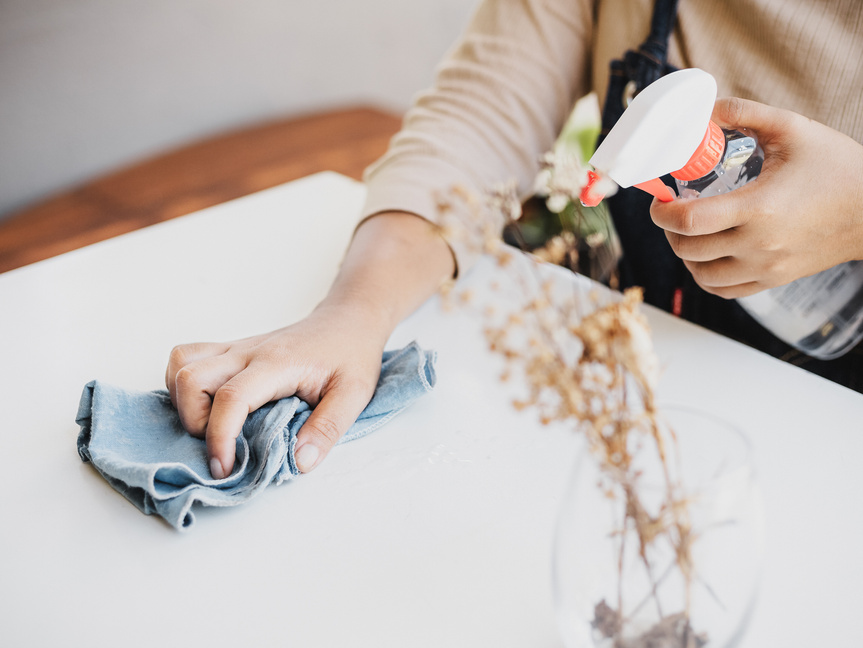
[(596, 239), (556, 202), (562, 177), (503, 199), (619, 333)]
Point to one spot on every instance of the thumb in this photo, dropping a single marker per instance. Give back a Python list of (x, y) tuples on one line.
[(735, 113), (328, 422)]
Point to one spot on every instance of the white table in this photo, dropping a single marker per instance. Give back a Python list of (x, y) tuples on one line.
[(434, 531)]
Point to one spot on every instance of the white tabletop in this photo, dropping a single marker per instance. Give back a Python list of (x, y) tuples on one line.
[(434, 531)]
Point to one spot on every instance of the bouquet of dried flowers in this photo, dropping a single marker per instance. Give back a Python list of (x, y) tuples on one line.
[(552, 216), (591, 366)]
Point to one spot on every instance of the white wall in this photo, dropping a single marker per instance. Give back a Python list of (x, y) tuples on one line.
[(87, 85)]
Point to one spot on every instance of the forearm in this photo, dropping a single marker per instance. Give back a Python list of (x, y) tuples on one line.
[(395, 262), (497, 104)]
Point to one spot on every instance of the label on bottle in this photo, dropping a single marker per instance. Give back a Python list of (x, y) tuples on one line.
[(797, 310)]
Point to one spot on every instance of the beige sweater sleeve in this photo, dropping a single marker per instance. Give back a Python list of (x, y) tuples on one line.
[(498, 102), (502, 95)]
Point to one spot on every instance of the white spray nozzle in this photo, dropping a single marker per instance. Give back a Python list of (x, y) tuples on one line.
[(658, 133)]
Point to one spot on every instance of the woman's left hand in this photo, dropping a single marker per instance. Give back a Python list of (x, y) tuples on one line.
[(802, 215)]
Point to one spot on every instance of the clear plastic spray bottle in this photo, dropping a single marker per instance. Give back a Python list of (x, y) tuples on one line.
[(667, 129)]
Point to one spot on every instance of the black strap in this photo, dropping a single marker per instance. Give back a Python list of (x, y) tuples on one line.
[(639, 68), (648, 260), (650, 62), (661, 26)]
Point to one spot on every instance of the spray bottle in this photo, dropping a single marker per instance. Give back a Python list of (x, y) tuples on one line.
[(667, 130)]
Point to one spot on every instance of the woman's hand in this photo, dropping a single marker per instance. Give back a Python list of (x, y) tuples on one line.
[(331, 360), (802, 215)]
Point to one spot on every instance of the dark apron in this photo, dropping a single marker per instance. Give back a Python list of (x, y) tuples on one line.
[(648, 260)]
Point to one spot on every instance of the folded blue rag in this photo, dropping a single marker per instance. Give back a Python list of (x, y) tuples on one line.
[(137, 443)]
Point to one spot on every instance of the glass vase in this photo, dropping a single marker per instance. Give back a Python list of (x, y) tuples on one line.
[(685, 575)]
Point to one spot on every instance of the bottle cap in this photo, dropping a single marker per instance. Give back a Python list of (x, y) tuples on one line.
[(706, 156), (659, 133)]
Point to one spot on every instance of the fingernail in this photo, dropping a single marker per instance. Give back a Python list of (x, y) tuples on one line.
[(307, 457), (216, 469)]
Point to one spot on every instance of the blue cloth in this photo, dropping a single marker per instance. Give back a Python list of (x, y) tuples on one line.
[(137, 443)]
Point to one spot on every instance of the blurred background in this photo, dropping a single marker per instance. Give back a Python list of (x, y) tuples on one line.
[(87, 86)]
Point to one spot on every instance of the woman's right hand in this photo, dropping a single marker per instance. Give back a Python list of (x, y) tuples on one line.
[(331, 359), (799, 218)]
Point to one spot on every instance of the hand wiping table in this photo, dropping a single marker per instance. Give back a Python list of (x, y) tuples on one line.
[(137, 443)]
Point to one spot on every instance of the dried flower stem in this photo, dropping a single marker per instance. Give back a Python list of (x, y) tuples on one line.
[(592, 368)]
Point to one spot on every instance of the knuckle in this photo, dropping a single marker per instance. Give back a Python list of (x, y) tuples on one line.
[(748, 289), (178, 355), (771, 261), (793, 123), (768, 242), (708, 289), (777, 272), (703, 279), (734, 109), (326, 428), (708, 282), (691, 248), (710, 275), (676, 242), (230, 394), (186, 380), (696, 270), (723, 292), (772, 267), (687, 222), (765, 205)]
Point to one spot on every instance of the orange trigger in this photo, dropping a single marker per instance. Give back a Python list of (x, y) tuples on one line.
[(658, 189)]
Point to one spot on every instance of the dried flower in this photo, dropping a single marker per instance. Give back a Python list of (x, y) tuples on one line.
[(619, 334), (561, 178), (503, 198), (557, 248), (590, 364)]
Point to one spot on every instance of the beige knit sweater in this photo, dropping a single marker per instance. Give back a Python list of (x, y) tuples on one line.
[(502, 94)]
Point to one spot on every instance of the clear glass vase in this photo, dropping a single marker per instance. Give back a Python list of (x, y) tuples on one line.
[(612, 590)]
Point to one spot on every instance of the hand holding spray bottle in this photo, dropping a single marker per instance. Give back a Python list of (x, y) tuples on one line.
[(667, 129)]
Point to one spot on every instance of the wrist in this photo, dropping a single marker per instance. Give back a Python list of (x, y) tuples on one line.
[(364, 313), (395, 262)]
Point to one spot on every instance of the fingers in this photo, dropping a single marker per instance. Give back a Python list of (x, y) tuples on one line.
[(184, 355), (338, 409), (727, 277), (214, 390), (719, 273), (735, 292), (216, 386), (702, 216), (233, 401), (704, 248), (727, 264), (763, 234), (197, 383), (736, 113)]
